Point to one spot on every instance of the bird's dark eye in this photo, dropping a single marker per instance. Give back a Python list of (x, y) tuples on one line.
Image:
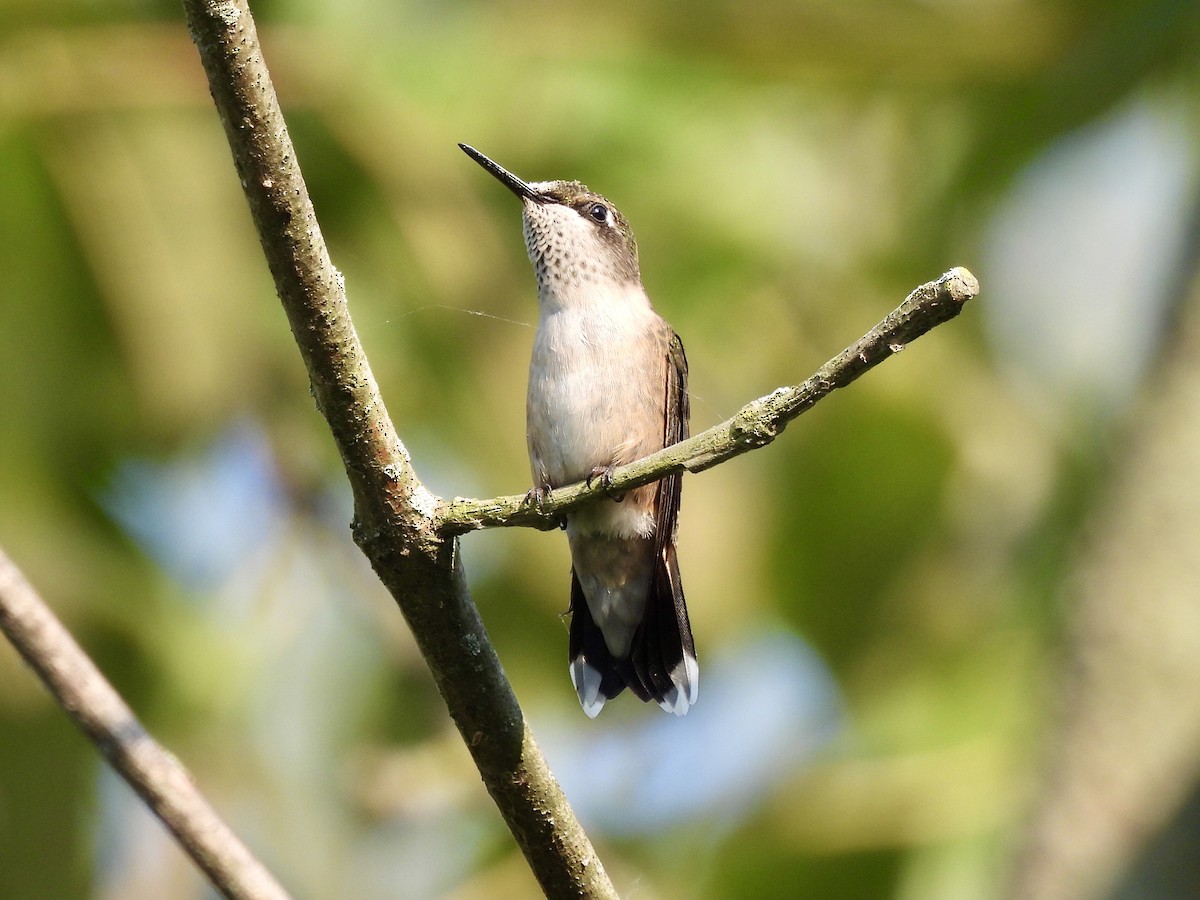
[(599, 212)]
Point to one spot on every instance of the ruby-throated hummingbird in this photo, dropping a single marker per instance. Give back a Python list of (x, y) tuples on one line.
[(607, 386)]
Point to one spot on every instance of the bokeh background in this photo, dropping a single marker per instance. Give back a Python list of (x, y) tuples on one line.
[(947, 623)]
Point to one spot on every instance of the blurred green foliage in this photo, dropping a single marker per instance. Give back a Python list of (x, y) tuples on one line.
[(791, 171)]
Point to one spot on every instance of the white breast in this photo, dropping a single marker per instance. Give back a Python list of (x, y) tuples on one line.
[(596, 383)]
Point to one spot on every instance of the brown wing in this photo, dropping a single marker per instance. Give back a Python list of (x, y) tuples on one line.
[(675, 429), (664, 656)]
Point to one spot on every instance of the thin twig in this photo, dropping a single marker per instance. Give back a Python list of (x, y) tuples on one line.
[(755, 425), (157, 776)]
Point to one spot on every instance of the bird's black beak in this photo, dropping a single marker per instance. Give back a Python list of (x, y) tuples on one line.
[(501, 174)]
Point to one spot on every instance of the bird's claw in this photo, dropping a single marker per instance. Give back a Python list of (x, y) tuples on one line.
[(536, 496), (604, 474)]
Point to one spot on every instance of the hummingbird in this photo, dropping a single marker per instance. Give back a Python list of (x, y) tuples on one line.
[(607, 386)]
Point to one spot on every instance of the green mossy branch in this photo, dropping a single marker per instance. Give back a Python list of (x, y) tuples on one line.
[(755, 425)]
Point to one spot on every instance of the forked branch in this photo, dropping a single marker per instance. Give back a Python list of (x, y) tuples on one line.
[(393, 512), (409, 535)]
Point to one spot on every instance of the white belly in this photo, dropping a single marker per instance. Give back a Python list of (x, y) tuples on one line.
[(596, 393)]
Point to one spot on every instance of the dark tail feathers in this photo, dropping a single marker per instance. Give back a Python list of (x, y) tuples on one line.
[(661, 665)]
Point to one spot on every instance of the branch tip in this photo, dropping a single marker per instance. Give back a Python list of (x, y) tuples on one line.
[(960, 284)]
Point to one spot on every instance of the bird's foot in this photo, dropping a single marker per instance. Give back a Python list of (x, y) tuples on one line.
[(604, 474), (536, 496)]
